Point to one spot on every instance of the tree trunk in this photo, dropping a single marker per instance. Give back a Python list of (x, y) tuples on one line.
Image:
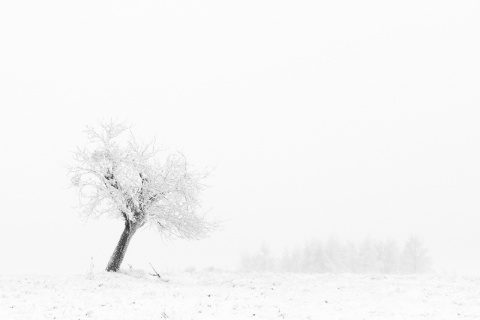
[(122, 245)]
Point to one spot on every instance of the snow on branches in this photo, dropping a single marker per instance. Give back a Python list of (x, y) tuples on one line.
[(126, 179)]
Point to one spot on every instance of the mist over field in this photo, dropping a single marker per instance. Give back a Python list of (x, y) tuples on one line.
[(341, 142), (320, 120)]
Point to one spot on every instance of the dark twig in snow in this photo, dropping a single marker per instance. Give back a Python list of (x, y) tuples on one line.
[(156, 274)]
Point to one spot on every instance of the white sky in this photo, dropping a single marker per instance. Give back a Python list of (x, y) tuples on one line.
[(351, 118)]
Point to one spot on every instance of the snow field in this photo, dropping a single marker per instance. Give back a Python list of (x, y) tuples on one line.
[(226, 295)]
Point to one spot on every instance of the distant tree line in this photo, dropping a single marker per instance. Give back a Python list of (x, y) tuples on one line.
[(335, 256)]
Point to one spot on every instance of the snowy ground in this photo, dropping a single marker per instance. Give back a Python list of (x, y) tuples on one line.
[(222, 295)]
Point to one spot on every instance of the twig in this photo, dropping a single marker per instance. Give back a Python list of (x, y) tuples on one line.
[(156, 274)]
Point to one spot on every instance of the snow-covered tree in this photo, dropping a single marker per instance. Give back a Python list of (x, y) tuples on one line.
[(334, 255), (314, 260), (291, 260), (351, 257), (367, 256), (388, 254), (118, 176), (415, 256), (261, 261)]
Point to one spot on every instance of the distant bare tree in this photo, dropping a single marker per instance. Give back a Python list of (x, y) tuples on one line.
[(416, 259), (334, 255), (313, 257), (366, 256), (388, 253), (261, 261), (129, 182), (351, 257)]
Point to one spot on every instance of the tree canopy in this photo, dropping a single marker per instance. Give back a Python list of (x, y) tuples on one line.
[(118, 176)]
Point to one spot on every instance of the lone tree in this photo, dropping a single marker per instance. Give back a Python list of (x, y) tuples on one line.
[(128, 181)]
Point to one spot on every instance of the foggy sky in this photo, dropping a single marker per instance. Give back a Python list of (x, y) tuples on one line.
[(347, 118)]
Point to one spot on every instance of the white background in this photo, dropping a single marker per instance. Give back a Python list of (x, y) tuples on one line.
[(351, 118)]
